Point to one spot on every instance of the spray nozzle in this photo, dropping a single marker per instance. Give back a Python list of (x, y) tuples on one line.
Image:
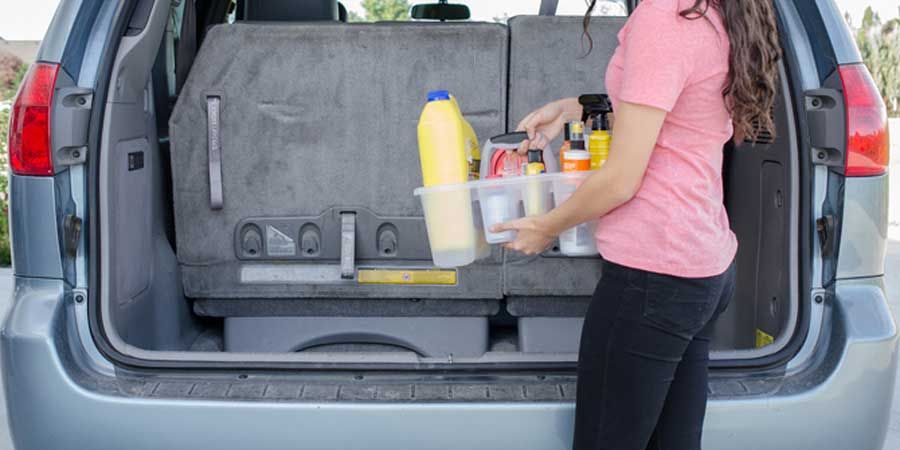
[(594, 106)]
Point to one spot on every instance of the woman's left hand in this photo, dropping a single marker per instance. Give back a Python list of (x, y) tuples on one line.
[(533, 236)]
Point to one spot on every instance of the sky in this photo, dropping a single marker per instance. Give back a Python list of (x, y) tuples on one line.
[(28, 19)]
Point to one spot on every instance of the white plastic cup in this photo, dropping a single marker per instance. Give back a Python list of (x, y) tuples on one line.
[(579, 240), (498, 205)]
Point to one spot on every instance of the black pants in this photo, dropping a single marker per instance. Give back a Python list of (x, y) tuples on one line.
[(643, 363)]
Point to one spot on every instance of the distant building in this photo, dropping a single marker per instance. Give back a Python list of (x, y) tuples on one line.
[(24, 50)]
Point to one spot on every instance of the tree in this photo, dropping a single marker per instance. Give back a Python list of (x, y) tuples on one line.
[(376, 10), (879, 46), (11, 72)]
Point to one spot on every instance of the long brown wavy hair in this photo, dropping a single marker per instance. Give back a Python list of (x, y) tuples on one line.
[(753, 63)]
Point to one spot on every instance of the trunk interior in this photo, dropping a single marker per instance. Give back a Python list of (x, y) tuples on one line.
[(316, 121)]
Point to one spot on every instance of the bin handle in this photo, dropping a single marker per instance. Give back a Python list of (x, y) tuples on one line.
[(510, 138)]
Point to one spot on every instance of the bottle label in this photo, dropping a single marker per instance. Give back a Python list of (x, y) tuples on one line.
[(597, 161), (576, 165), (534, 169), (474, 169)]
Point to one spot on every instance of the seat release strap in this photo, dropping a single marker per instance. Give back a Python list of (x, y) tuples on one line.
[(348, 245), (214, 152)]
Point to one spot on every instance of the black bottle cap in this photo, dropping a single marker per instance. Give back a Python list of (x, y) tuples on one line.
[(567, 132), (577, 144), (595, 123), (535, 155)]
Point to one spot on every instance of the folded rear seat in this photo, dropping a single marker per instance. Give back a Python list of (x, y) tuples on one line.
[(549, 294), (290, 141)]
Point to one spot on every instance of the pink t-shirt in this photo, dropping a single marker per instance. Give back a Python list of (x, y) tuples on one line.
[(676, 224)]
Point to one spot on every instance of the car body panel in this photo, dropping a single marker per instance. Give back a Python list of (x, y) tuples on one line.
[(62, 393), (54, 43), (865, 227), (34, 229), (47, 384), (841, 37)]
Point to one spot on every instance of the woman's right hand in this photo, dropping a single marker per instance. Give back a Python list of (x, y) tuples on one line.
[(545, 123)]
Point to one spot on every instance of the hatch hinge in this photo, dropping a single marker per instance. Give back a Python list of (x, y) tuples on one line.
[(71, 119), (825, 226), (826, 121)]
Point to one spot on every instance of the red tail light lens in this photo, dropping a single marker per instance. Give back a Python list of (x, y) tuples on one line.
[(29, 126), (868, 149)]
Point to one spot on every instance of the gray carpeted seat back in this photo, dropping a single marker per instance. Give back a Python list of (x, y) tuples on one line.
[(547, 62), (316, 121)]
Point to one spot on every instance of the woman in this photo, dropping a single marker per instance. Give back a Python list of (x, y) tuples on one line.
[(688, 75)]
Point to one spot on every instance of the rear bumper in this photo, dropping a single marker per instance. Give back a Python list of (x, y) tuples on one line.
[(56, 399)]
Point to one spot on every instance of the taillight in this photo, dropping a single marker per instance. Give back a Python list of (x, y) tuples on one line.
[(868, 149), (29, 126)]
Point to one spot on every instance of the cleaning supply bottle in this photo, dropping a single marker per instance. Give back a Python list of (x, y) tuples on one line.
[(598, 142), (536, 199), (567, 144), (575, 158), (576, 135), (578, 240), (448, 149), (448, 146), (576, 161), (535, 162)]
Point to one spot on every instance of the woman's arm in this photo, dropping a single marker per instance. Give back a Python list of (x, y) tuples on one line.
[(546, 122), (634, 137)]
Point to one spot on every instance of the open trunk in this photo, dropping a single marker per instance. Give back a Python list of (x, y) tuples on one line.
[(223, 207)]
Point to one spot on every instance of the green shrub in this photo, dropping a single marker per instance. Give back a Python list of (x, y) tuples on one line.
[(11, 73)]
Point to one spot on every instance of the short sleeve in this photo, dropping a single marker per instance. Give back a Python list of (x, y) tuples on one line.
[(655, 67)]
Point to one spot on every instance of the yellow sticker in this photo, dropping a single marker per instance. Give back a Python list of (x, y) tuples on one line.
[(406, 276), (763, 339)]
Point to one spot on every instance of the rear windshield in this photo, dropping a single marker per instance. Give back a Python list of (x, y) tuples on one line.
[(482, 10)]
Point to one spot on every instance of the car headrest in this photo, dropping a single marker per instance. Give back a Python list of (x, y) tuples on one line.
[(289, 10)]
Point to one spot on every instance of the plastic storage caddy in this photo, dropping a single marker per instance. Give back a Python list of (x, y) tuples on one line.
[(496, 201)]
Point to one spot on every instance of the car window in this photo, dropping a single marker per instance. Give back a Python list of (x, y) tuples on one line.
[(602, 8), (482, 10)]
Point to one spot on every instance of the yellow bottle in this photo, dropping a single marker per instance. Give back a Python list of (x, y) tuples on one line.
[(535, 196), (448, 152), (448, 147), (598, 142)]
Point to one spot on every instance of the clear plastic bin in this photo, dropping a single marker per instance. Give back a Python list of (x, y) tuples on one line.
[(498, 205), (453, 222), (458, 217), (578, 240)]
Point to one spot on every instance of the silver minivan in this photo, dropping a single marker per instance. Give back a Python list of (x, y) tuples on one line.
[(216, 242)]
